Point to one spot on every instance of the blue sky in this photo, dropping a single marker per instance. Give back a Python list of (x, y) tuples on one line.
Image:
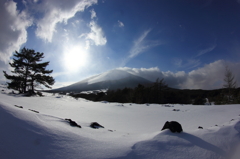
[(187, 42)]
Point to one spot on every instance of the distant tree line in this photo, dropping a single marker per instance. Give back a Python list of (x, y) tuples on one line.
[(160, 93)]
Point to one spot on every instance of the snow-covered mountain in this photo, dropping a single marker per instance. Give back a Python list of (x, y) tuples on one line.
[(114, 79)]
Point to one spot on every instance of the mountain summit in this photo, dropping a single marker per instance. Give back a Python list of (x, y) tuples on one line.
[(113, 79)]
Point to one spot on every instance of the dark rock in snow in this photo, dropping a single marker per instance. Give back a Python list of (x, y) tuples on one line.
[(73, 123), (166, 105), (200, 127), (176, 110), (34, 111), (18, 106), (95, 125), (173, 126)]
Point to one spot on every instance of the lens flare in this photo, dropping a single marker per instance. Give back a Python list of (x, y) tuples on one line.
[(75, 58)]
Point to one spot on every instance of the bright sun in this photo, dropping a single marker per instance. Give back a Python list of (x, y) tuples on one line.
[(75, 58)]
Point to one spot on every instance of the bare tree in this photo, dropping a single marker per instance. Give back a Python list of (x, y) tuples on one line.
[(230, 83)]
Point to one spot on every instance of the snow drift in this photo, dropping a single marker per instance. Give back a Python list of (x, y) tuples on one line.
[(130, 130)]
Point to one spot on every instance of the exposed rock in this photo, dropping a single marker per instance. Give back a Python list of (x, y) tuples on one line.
[(34, 111), (173, 126), (176, 110), (18, 106), (166, 105), (200, 127), (95, 125), (73, 123)]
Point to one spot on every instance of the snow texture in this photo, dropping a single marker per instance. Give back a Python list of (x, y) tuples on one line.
[(130, 130)]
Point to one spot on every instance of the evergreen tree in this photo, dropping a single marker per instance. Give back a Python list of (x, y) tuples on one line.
[(28, 71)]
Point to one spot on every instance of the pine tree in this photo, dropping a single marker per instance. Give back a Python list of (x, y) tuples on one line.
[(28, 71)]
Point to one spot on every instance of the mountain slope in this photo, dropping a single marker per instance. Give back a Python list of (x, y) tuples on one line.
[(114, 79)]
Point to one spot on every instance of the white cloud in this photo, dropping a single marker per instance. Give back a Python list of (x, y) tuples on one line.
[(62, 84), (93, 14), (150, 74), (120, 24), (57, 11), (13, 25), (208, 77), (4, 67), (87, 44), (96, 34), (211, 76), (57, 74)]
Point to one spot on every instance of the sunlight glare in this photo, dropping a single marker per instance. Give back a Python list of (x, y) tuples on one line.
[(75, 58)]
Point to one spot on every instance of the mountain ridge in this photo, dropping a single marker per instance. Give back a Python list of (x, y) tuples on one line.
[(113, 79)]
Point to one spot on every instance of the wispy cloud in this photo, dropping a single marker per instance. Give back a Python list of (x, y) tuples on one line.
[(186, 63), (193, 62), (142, 45), (207, 50), (120, 24), (177, 62), (139, 45)]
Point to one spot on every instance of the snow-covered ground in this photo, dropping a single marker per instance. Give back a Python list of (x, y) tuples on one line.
[(131, 130)]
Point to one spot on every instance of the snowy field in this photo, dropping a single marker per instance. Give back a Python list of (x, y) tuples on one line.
[(130, 130)]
